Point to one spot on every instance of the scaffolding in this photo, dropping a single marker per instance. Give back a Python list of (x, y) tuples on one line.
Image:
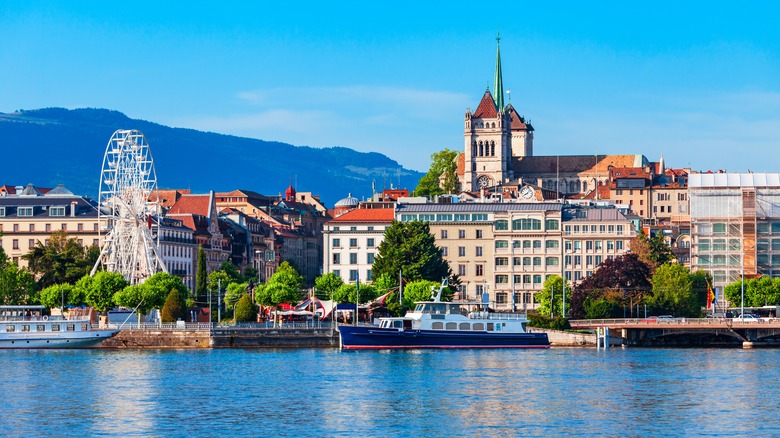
[(735, 226)]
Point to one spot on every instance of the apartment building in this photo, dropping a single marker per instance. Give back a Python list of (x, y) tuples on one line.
[(352, 241)]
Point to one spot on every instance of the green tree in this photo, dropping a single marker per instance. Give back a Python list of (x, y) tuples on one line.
[(763, 291), (421, 290), (102, 288), (173, 309), (201, 279), (625, 275), (17, 285), (55, 295), (653, 252), (61, 259), (3, 256), (80, 290), (233, 293), (347, 293), (325, 285), (411, 246), (246, 311), (673, 291), (232, 271), (551, 295), (283, 287), (442, 175)]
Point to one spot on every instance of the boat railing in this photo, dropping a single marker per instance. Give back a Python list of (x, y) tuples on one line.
[(497, 316)]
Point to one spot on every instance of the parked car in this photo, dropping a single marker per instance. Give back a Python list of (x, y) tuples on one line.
[(747, 317)]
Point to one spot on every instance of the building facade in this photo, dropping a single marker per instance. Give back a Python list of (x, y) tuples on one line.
[(352, 241)]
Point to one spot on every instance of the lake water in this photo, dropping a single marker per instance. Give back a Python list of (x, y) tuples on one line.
[(578, 391)]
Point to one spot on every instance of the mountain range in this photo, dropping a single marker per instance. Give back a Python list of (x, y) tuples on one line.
[(53, 146)]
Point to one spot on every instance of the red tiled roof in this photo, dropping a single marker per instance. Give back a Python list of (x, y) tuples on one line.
[(167, 197), (367, 215), (486, 107), (570, 163), (195, 204), (197, 223), (628, 172), (518, 122)]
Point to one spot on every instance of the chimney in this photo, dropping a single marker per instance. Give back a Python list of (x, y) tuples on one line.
[(73, 205)]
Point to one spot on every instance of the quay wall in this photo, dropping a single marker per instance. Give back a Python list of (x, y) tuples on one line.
[(568, 339), (223, 338)]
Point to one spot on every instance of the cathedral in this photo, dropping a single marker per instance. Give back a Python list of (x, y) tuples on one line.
[(499, 153)]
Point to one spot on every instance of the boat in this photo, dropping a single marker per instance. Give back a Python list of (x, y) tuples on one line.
[(440, 324), (28, 327)]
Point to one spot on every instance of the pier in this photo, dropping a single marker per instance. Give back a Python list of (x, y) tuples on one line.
[(763, 332)]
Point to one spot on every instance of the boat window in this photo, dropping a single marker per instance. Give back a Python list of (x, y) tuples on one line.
[(437, 309), (420, 308), (70, 327), (490, 326), (452, 326), (438, 326), (55, 327), (84, 327), (10, 328), (478, 326), (40, 328), (465, 326), (407, 324), (398, 324), (453, 308), (26, 328)]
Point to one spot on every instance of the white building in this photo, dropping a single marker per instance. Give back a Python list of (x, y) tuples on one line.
[(351, 242)]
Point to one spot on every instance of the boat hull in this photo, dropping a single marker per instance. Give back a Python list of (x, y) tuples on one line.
[(364, 338), (84, 339)]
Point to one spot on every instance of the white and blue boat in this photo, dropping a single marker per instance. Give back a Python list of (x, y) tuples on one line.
[(27, 327), (438, 324)]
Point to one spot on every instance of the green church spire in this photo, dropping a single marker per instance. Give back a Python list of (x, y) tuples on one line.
[(498, 83)]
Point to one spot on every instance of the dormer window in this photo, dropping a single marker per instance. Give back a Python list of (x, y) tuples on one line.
[(2, 211), (24, 211), (57, 211)]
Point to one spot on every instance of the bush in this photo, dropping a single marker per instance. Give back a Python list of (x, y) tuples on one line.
[(543, 321), (246, 310), (173, 309)]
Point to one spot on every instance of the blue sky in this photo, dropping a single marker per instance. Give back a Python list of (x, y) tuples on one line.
[(697, 82)]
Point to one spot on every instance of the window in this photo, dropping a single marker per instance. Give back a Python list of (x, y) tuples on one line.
[(57, 211), (551, 244), (461, 269), (462, 217), (704, 244), (567, 245), (502, 244), (443, 234), (551, 261), (599, 259), (589, 245), (598, 245), (32, 227), (719, 228), (479, 251), (537, 279), (589, 260), (31, 243), (718, 244), (577, 245), (620, 230), (480, 270), (16, 228), (2, 211), (337, 273), (408, 217), (16, 244), (479, 217), (537, 244), (479, 234), (567, 260), (502, 224), (610, 245), (444, 217), (461, 234), (370, 242), (444, 251), (619, 245), (48, 227), (336, 258), (427, 217), (353, 275), (336, 243), (502, 261), (526, 224), (461, 251), (551, 224), (517, 261), (537, 261), (370, 258), (352, 258), (353, 243), (517, 279), (527, 261), (502, 279), (527, 279), (24, 211)]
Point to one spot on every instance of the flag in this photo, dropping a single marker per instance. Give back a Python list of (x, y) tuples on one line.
[(710, 295)]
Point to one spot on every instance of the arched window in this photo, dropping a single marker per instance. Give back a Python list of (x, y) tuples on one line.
[(573, 187), (481, 150), (474, 149), (493, 125), (584, 186), (492, 149)]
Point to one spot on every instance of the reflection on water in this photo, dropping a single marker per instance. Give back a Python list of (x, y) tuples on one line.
[(433, 393)]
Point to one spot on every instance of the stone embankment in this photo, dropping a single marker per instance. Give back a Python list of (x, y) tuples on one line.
[(223, 337), (568, 339)]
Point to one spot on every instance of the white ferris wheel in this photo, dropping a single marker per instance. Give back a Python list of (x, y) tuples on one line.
[(127, 182)]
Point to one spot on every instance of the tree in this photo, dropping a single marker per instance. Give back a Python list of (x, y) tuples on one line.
[(102, 288), (420, 290), (246, 311), (442, 176), (152, 293), (325, 285), (626, 275), (763, 291), (3, 256), (551, 294), (411, 246), (201, 279), (283, 287), (673, 291), (653, 252), (348, 293), (17, 285), (173, 309), (56, 295), (61, 259), (232, 271), (233, 293)]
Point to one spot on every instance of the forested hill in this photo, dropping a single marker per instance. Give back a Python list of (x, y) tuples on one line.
[(54, 146)]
